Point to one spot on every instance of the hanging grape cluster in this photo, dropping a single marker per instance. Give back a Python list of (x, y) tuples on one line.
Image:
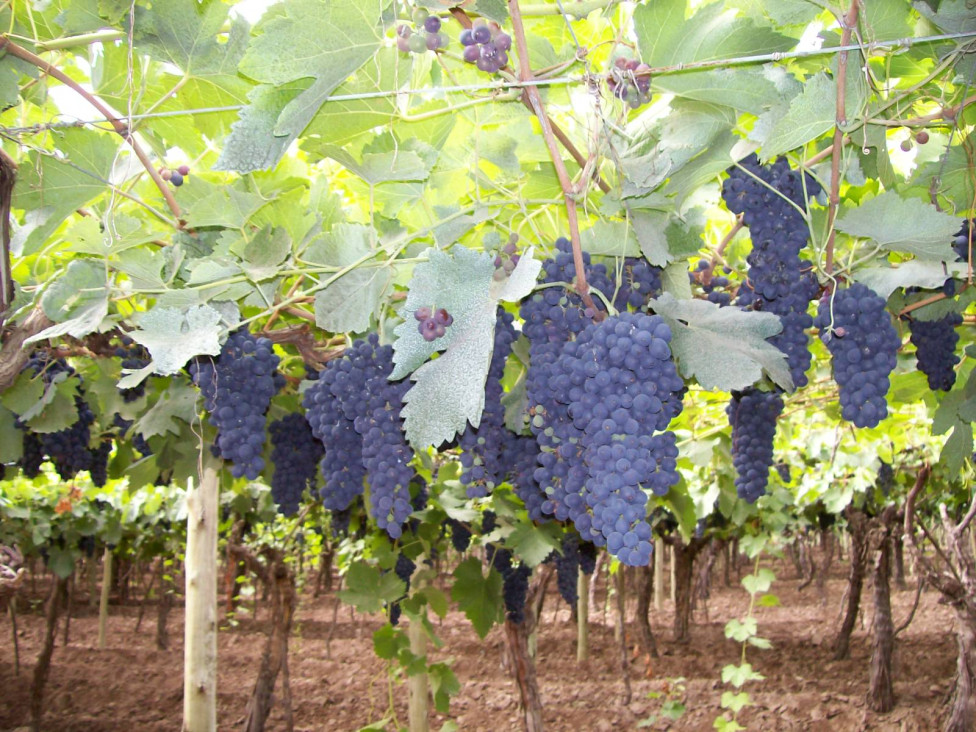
[(354, 409), (237, 388), (295, 453), (863, 343)]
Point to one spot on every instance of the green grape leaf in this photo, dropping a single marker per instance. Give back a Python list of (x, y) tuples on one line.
[(496, 10), (53, 188), (11, 439), (176, 405), (520, 283), (666, 37), (384, 167), (316, 40), (759, 582), (186, 34), (226, 207), (174, 336), (741, 630), (902, 224), (748, 90), (444, 684), (610, 238), (532, 544), (77, 301), (952, 16), (927, 274), (739, 675), (368, 588), (700, 330), (478, 596), (349, 304)]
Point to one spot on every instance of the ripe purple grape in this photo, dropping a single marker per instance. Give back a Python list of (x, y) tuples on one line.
[(442, 317), (481, 34), (432, 24), (176, 179)]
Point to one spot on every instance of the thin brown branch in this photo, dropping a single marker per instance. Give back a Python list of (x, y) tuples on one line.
[(967, 518), (911, 615), (531, 93), (849, 22), (8, 46)]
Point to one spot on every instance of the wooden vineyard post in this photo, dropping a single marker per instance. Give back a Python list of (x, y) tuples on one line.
[(103, 598), (200, 632), (418, 686), (582, 616)]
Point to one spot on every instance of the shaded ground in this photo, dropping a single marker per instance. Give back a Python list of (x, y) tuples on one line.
[(132, 686)]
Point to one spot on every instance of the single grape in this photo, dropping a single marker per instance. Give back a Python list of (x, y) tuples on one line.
[(420, 16), (422, 313), (442, 317), (417, 43), (432, 24), (183, 170), (428, 329), (481, 34), (467, 38), (176, 179)]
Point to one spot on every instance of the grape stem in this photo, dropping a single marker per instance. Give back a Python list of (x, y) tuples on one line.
[(927, 301), (534, 101), (8, 46), (848, 22)]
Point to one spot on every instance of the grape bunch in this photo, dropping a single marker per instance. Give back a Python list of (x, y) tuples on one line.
[(863, 344), (295, 453), (610, 391), (427, 36), (432, 322), (935, 349), (482, 446), (403, 569), (567, 568), (354, 409), (753, 414), (67, 449), (770, 200), (637, 282), (138, 441), (460, 535), (717, 288), (630, 81), (886, 478), (964, 240), (99, 463), (587, 557), (507, 259), (134, 357), (175, 177), (237, 388), (486, 45), (520, 455)]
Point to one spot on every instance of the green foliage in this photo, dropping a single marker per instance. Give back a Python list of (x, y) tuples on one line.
[(479, 596)]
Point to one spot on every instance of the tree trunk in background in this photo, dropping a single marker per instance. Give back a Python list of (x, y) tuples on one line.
[(103, 598), (683, 568), (200, 646), (582, 617), (857, 526), (523, 668), (645, 590), (620, 585), (881, 695), (899, 553), (323, 579), (827, 545), (283, 596), (234, 570), (963, 715), (659, 573), (166, 590), (43, 667)]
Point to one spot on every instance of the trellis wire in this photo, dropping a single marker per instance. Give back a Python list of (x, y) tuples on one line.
[(555, 81)]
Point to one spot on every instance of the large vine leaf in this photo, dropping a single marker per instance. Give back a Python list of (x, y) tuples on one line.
[(915, 273), (77, 302), (450, 390), (478, 596), (319, 40), (723, 348), (902, 224), (174, 336)]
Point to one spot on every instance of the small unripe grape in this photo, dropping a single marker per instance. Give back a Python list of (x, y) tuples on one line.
[(404, 31), (420, 16), (906, 145), (417, 43), (422, 313), (183, 170), (922, 137), (165, 173)]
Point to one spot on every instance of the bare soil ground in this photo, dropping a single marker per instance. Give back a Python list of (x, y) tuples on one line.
[(342, 686)]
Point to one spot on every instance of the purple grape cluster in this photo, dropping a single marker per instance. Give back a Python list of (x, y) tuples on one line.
[(486, 45), (753, 414), (961, 242), (138, 441), (717, 288), (432, 322), (237, 388), (295, 453), (133, 357), (99, 463), (770, 200), (507, 259), (403, 569), (567, 568), (427, 36), (515, 581), (67, 449), (520, 455), (482, 446), (630, 81), (608, 393), (460, 534), (637, 283), (886, 478), (354, 409), (935, 349), (587, 557), (863, 343)]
